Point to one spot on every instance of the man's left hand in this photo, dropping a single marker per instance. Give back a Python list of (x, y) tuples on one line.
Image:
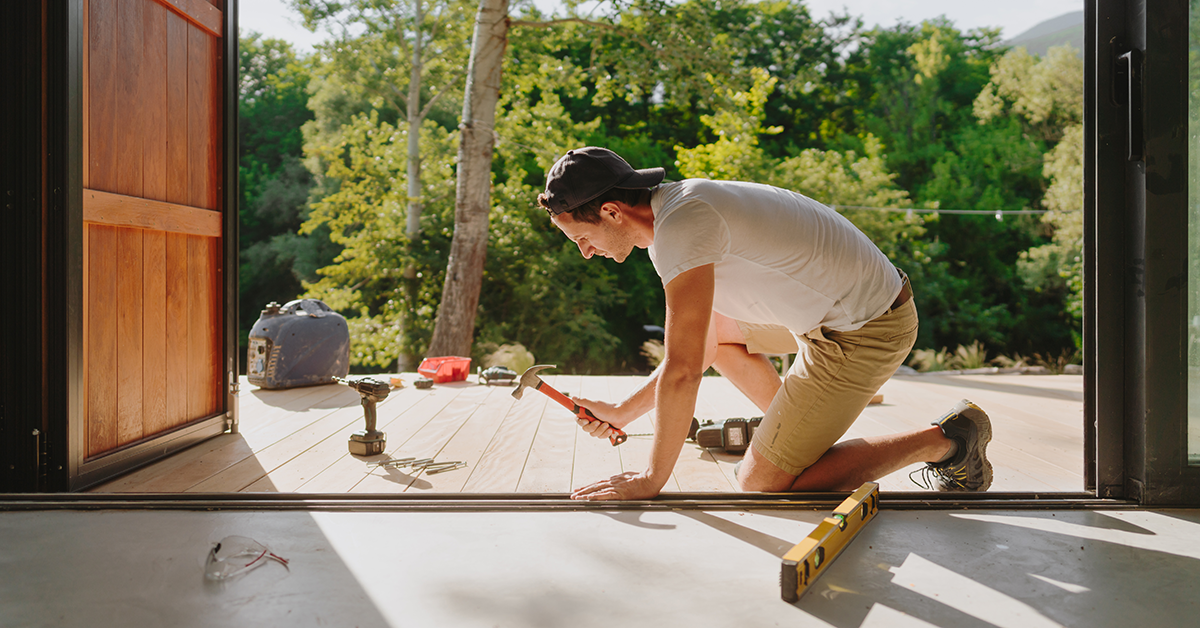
[(627, 485)]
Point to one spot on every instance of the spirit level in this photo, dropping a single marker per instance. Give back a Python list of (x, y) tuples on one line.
[(805, 562)]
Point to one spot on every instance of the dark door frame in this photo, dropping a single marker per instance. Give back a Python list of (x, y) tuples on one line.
[(1136, 283)]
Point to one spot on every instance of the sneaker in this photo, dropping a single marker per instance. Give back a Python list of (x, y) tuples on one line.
[(968, 469)]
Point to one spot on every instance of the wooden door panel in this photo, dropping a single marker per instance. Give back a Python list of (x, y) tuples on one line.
[(153, 102), (100, 94), (125, 171), (129, 335), (177, 330), (177, 109), (154, 155), (154, 332), (203, 163), (203, 344), (101, 342)]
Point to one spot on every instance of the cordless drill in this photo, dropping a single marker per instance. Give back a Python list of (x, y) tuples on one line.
[(370, 441)]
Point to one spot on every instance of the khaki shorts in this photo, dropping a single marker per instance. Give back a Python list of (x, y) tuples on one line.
[(834, 377)]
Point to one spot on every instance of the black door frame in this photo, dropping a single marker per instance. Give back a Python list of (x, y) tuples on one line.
[(1136, 283)]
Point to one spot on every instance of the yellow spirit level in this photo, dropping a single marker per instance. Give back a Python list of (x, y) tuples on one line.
[(805, 562)]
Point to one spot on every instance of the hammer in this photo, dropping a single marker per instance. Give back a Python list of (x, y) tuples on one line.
[(530, 379)]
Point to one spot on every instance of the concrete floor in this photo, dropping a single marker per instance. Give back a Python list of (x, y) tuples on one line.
[(1019, 569)]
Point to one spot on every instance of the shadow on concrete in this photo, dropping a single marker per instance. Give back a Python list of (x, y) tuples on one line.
[(1191, 516), (91, 569), (765, 542), (1087, 518), (984, 569), (635, 519)]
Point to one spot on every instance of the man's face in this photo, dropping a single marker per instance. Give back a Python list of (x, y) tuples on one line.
[(610, 238)]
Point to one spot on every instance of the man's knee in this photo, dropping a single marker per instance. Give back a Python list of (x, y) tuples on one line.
[(757, 474)]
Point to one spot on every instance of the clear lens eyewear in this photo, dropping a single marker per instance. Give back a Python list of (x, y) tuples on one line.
[(235, 555)]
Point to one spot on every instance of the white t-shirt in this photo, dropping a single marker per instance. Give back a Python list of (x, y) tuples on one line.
[(779, 257)]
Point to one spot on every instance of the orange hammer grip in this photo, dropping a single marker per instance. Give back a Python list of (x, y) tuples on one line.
[(616, 439)]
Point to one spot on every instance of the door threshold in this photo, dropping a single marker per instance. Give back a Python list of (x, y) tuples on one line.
[(547, 502)]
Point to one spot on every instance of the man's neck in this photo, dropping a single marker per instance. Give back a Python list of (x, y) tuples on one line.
[(641, 217)]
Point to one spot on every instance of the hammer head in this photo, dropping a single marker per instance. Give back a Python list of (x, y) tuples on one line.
[(530, 379)]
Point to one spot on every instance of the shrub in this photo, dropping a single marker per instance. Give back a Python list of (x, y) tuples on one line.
[(515, 356), (972, 356), (654, 352), (929, 360)]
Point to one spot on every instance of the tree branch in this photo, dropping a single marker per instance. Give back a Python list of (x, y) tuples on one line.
[(443, 90), (565, 20), (578, 20), (403, 43), (437, 22), (403, 104)]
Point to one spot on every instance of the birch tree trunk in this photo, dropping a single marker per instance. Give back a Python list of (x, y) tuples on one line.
[(407, 361), (455, 327), (413, 223)]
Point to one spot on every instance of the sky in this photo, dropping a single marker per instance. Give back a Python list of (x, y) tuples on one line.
[(274, 19)]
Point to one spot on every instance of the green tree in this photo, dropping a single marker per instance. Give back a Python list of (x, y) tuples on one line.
[(273, 183), (1045, 96), (857, 185), (366, 218), (676, 45), (364, 160), (400, 58), (915, 88)]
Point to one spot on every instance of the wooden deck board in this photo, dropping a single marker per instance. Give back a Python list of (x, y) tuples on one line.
[(425, 442), (548, 467), (328, 451), (197, 464), (469, 443), (503, 460), (295, 440), (635, 453), (595, 459), (399, 426)]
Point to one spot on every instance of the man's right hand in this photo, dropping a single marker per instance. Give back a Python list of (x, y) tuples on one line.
[(599, 429), (609, 415)]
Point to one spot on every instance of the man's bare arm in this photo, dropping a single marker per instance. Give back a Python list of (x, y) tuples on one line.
[(642, 400), (689, 308)]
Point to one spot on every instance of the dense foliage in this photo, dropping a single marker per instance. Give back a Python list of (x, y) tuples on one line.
[(273, 182), (912, 117)]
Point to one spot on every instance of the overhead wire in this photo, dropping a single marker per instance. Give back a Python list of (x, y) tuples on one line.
[(915, 210)]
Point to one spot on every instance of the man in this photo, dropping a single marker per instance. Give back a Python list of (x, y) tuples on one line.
[(750, 270)]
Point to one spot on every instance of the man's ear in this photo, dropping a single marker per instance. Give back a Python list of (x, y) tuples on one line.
[(612, 209)]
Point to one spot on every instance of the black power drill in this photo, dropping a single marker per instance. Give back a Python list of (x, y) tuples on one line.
[(370, 441)]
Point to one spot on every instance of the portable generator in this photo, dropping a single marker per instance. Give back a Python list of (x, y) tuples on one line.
[(303, 343)]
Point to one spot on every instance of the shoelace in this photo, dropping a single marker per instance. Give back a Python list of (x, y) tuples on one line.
[(929, 474)]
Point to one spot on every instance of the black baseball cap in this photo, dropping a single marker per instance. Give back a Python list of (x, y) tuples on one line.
[(585, 173)]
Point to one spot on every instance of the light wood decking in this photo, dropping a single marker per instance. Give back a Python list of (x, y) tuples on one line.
[(295, 440)]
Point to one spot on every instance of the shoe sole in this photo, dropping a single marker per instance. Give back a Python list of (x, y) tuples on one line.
[(984, 428)]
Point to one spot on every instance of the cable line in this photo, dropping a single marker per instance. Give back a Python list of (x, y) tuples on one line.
[(915, 210)]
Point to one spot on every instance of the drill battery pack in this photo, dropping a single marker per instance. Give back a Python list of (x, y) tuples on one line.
[(731, 435), (302, 343)]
